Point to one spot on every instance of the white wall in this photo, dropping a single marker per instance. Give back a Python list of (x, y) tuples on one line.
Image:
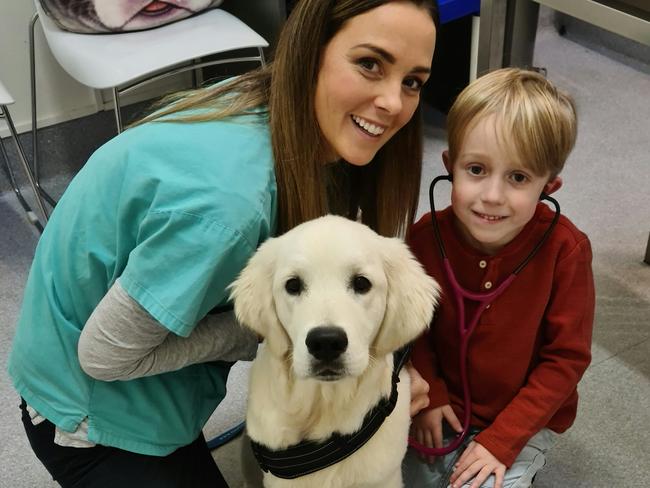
[(60, 97)]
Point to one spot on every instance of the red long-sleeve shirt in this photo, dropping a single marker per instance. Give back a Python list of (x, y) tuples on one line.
[(530, 347)]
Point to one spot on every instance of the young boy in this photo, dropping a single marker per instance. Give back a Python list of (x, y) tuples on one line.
[(509, 135)]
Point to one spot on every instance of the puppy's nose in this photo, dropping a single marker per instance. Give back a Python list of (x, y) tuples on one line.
[(326, 342)]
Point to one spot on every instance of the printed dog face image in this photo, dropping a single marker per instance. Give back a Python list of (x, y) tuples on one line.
[(120, 15), (138, 14), (333, 300)]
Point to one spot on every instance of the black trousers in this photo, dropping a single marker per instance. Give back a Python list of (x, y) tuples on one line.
[(191, 466)]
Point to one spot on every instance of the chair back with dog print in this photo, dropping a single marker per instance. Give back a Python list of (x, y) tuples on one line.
[(113, 16)]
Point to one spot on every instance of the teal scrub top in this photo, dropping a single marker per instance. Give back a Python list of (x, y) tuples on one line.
[(174, 210)]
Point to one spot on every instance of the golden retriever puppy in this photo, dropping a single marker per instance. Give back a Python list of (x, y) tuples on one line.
[(333, 301)]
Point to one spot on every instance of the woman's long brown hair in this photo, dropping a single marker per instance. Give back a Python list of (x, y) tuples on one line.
[(386, 190)]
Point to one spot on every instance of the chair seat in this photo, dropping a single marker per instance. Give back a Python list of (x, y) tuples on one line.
[(5, 97), (110, 60)]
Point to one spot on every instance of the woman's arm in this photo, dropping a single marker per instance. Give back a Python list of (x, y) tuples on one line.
[(121, 341)]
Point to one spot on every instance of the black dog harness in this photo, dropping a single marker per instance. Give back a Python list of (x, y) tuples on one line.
[(310, 456)]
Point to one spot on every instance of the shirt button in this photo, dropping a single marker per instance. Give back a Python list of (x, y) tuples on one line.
[(488, 285), (482, 263)]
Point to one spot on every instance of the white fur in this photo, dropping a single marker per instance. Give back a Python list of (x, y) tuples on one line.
[(288, 401)]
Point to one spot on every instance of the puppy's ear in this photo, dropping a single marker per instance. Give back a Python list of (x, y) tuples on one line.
[(412, 297), (252, 293)]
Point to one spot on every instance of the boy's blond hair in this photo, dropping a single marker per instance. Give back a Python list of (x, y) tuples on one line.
[(538, 121)]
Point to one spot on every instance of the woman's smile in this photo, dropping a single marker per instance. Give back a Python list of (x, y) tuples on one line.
[(369, 128)]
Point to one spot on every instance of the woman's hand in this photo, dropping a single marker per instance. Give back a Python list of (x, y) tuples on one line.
[(423, 427), (478, 463), (419, 390), (427, 427)]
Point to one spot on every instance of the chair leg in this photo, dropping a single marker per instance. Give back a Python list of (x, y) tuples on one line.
[(262, 59), (32, 73), (646, 260), (195, 76), (28, 172), (31, 215), (117, 109)]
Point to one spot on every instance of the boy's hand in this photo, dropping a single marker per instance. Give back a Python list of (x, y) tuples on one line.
[(427, 427), (419, 390), (478, 463)]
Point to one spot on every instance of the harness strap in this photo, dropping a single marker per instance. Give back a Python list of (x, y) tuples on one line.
[(310, 456)]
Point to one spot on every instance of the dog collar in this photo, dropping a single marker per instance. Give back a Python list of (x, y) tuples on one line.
[(310, 456)]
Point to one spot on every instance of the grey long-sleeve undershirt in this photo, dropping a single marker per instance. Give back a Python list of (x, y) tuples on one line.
[(122, 341)]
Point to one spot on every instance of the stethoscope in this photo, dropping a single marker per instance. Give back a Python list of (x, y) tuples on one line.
[(466, 329)]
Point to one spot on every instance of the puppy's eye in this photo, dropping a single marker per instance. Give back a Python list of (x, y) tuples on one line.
[(361, 284), (294, 286)]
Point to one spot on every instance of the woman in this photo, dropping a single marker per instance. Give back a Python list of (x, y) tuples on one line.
[(118, 354)]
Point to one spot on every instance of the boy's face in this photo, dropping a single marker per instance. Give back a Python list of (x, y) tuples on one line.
[(493, 195)]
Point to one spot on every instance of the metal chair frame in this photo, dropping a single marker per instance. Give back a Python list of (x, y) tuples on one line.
[(31, 215)]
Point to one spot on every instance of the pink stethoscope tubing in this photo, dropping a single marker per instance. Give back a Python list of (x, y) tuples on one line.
[(466, 329)]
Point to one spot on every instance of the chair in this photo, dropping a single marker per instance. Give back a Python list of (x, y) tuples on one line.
[(6, 99), (125, 61)]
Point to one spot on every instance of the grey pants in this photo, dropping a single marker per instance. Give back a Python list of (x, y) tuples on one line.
[(420, 474)]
